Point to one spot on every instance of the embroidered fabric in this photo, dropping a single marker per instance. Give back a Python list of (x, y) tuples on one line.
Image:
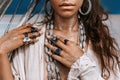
[(80, 67)]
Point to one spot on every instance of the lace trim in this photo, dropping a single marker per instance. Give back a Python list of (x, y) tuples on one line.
[(80, 66)]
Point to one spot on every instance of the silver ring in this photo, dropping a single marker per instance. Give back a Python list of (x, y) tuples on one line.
[(54, 38), (26, 40)]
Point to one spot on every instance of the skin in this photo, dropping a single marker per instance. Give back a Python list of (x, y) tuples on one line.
[(66, 27), (66, 16), (66, 20)]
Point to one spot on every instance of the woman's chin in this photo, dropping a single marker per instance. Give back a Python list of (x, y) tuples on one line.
[(67, 15)]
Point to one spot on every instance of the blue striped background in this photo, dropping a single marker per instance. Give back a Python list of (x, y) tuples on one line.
[(113, 6)]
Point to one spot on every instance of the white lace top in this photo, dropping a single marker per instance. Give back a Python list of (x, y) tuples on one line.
[(28, 64)]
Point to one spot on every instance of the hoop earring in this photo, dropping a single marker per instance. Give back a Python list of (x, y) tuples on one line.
[(48, 9), (89, 9)]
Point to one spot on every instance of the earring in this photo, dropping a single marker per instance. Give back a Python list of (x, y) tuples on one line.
[(89, 9), (48, 9)]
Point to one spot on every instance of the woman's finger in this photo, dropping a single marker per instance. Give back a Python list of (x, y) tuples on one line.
[(57, 42), (66, 41), (55, 49), (32, 35), (25, 26), (61, 60), (28, 30), (32, 41), (58, 58)]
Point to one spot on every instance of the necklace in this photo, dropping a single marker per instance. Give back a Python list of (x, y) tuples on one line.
[(82, 37), (53, 68)]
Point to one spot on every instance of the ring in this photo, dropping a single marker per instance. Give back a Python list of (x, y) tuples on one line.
[(26, 40), (57, 51), (26, 34), (33, 29), (65, 41), (34, 35), (54, 38)]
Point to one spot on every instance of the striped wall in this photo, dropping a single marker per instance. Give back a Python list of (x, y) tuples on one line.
[(112, 6)]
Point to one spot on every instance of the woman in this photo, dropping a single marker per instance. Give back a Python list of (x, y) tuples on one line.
[(78, 45)]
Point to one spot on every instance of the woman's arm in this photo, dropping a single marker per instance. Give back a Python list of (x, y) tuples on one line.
[(11, 41), (5, 69)]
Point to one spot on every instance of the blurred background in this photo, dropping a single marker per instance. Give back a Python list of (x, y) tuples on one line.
[(111, 6)]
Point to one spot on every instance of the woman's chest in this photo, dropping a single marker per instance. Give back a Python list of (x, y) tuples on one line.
[(54, 70)]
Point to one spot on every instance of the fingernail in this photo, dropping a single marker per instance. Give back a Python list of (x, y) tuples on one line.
[(48, 37), (46, 43), (39, 28), (49, 53), (41, 32), (37, 40)]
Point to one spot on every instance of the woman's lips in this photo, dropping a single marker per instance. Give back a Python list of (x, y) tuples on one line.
[(66, 4)]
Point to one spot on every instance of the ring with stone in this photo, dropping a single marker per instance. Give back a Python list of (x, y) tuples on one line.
[(57, 51), (26, 39), (33, 29), (65, 41), (54, 38)]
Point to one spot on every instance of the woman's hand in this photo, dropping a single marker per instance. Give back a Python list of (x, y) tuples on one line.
[(14, 38), (66, 53)]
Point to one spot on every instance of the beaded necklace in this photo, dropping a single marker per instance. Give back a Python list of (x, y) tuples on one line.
[(53, 68)]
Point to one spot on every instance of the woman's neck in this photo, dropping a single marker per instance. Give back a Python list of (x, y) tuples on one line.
[(66, 24)]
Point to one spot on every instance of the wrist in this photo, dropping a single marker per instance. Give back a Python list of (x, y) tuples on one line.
[(3, 49), (3, 39), (3, 57), (2, 52)]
